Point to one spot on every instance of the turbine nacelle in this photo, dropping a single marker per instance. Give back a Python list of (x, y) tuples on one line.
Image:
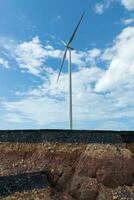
[(68, 46)]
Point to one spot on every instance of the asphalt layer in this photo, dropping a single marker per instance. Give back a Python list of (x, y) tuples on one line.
[(23, 182), (66, 136)]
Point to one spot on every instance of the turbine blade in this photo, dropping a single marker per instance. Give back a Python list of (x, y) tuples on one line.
[(64, 43), (74, 33), (64, 57)]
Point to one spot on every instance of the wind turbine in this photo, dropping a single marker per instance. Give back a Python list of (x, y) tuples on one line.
[(69, 48)]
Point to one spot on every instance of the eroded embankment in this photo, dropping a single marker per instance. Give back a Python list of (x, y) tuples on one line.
[(75, 171)]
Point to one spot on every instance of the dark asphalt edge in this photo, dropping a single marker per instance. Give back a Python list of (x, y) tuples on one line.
[(66, 136), (23, 182)]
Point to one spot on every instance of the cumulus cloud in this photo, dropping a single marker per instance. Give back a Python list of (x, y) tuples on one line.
[(128, 21), (4, 63), (32, 56), (101, 7), (128, 4), (121, 59), (93, 53), (47, 104)]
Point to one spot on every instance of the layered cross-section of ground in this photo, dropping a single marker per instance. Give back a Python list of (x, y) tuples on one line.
[(66, 165)]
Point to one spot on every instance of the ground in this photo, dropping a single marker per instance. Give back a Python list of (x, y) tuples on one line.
[(75, 171)]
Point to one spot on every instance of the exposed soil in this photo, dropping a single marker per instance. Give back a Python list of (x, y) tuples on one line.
[(75, 171)]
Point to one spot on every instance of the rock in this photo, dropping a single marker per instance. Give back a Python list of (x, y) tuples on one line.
[(83, 188), (113, 177), (123, 193), (53, 176), (106, 163), (65, 196), (104, 193), (64, 179), (59, 178)]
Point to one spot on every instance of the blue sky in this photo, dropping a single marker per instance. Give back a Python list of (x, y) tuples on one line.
[(103, 64)]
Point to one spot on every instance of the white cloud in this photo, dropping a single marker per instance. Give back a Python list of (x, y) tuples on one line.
[(113, 125), (41, 110), (101, 7), (94, 53), (48, 103), (32, 56), (128, 21), (4, 63), (13, 117), (121, 58), (92, 56), (128, 4)]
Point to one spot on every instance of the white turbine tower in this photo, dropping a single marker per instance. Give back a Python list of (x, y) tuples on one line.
[(68, 48)]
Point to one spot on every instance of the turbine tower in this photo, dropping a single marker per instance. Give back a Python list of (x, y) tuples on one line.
[(69, 48)]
